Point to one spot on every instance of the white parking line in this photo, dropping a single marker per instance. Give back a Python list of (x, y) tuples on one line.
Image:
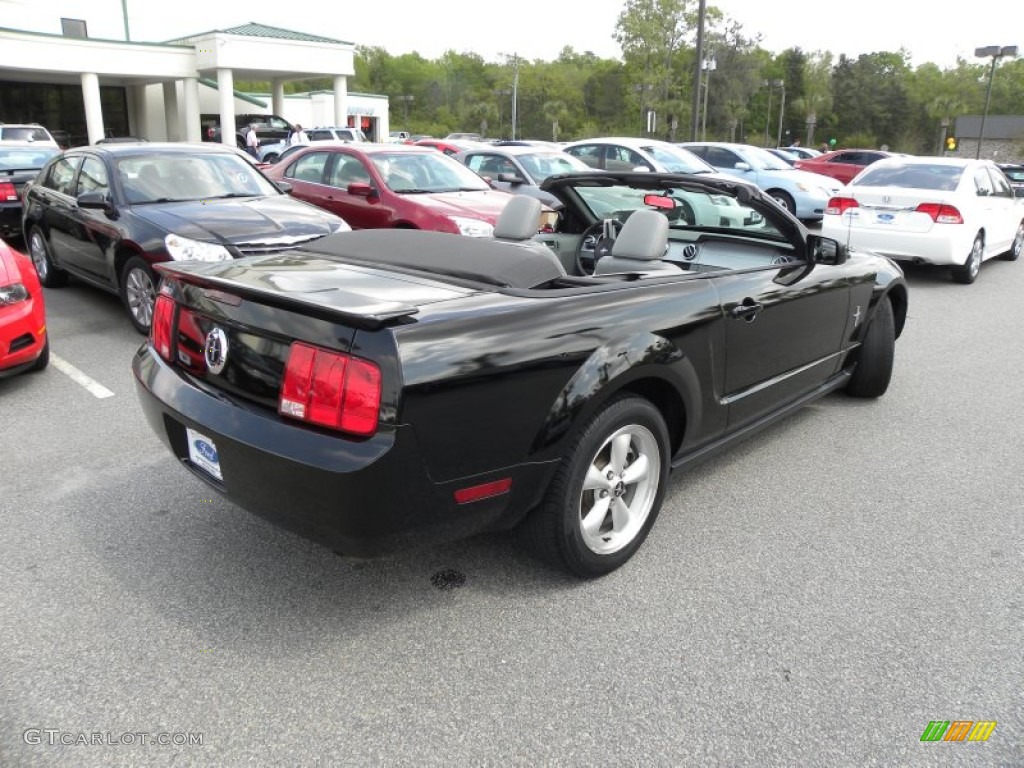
[(95, 388)]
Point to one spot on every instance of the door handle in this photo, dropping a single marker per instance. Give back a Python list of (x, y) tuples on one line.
[(748, 309)]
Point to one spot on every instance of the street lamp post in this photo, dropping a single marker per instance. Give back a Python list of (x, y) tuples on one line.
[(996, 52), (782, 110), (709, 66), (812, 120), (406, 99), (502, 94)]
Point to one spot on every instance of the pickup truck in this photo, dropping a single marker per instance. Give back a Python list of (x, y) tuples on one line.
[(269, 128), (381, 389)]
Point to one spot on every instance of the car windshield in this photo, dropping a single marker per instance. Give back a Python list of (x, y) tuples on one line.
[(678, 160), (763, 160), (23, 133), (544, 164), (684, 208), (942, 178), (418, 172), (1014, 174), (155, 178), (25, 158)]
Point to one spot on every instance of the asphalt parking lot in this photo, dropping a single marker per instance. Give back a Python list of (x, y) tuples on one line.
[(814, 597)]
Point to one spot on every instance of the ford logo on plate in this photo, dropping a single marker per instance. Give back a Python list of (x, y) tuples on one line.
[(885, 217), (207, 451), (216, 350)]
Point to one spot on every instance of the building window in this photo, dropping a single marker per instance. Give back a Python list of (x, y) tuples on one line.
[(74, 28)]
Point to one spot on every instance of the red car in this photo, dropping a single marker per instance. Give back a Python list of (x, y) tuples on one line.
[(374, 186), (450, 146), (843, 164), (23, 342)]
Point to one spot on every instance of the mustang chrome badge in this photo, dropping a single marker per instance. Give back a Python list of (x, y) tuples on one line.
[(216, 350)]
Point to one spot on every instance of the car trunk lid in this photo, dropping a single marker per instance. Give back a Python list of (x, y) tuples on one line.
[(880, 208)]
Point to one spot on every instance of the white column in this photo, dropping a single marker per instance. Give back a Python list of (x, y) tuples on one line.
[(93, 106), (340, 100), (139, 107), (226, 91), (277, 97), (190, 85), (171, 119)]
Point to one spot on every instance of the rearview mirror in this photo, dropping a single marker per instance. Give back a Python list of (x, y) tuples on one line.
[(825, 250), (659, 201)]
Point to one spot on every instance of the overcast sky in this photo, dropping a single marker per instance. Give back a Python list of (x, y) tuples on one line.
[(935, 32)]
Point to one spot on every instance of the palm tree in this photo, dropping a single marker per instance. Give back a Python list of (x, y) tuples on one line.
[(553, 112)]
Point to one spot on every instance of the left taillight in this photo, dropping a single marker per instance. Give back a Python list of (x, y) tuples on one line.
[(331, 389), (160, 329), (7, 191)]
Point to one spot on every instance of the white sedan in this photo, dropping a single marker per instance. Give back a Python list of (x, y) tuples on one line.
[(930, 210)]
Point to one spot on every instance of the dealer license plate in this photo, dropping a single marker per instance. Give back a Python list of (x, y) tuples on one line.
[(203, 453)]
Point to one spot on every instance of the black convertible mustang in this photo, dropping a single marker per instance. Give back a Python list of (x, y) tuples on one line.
[(378, 389)]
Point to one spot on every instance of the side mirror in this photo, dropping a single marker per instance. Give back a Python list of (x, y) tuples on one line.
[(96, 201), (360, 188), (825, 250), (284, 186), (742, 166), (511, 178), (641, 169)]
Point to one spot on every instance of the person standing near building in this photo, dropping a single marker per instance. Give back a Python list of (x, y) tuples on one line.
[(252, 141), (298, 136)]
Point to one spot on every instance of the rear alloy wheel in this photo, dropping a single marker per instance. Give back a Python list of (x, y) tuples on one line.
[(607, 493), (1018, 245), (784, 199), (138, 292), (49, 275), (875, 358), (968, 273)]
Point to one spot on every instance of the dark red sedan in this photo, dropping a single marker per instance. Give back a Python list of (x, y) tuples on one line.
[(375, 186), (843, 164), (23, 342)]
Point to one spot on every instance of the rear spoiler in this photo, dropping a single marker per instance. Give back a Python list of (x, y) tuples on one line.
[(370, 317)]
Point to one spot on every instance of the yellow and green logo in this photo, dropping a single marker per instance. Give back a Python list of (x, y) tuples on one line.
[(958, 730)]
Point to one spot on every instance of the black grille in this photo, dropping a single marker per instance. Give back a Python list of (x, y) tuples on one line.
[(25, 340), (274, 245)]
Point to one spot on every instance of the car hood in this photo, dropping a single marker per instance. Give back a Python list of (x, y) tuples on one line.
[(486, 204), (240, 220)]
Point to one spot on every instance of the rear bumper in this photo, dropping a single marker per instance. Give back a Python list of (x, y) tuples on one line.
[(10, 220), (358, 497), (941, 245)]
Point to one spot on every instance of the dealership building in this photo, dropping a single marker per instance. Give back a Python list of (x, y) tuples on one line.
[(54, 72)]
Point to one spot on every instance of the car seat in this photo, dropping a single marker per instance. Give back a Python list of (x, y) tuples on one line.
[(639, 247), (518, 223)]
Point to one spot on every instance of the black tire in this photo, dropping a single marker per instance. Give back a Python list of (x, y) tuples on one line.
[(44, 357), (1018, 245), (50, 275), (784, 199), (138, 292), (557, 531), (875, 358), (968, 272)]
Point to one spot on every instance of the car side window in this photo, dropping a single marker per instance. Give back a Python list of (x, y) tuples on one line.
[(62, 175), (319, 135), (701, 152), (348, 170), (982, 182), (722, 158), (278, 124), (309, 167), (588, 153), (474, 162), (624, 159), (492, 165), (92, 177), (999, 183)]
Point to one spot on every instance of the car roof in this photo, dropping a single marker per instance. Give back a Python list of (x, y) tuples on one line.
[(160, 148), (515, 149), (629, 141)]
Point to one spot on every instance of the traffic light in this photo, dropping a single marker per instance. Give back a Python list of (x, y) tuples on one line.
[(951, 143)]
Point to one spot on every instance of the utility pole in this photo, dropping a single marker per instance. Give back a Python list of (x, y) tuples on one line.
[(696, 71), (124, 12), (515, 92)]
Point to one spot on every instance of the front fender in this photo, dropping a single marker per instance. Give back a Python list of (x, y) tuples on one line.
[(639, 362)]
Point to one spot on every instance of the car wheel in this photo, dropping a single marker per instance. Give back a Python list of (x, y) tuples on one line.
[(875, 357), (968, 273), (607, 492), (1018, 244), (138, 292), (44, 357), (49, 275), (784, 199)]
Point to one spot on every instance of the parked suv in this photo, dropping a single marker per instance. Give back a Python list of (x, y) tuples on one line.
[(269, 128), (335, 133), (30, 132)]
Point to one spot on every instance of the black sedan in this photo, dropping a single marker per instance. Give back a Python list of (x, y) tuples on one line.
[(401, 387), (106, 214), (19, 164)]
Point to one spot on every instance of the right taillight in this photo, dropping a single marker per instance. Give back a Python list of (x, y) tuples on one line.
[(941, 213), (7, 191), (837, 205), (160, 329), (330, 389)]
